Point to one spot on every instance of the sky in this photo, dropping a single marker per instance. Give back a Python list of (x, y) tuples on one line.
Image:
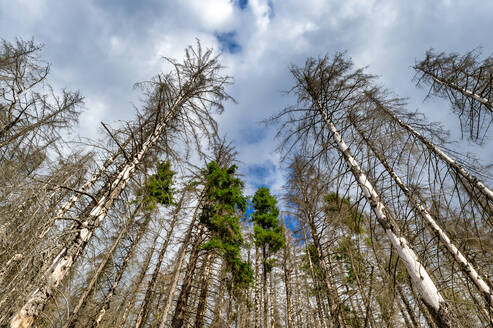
[(103, 47)]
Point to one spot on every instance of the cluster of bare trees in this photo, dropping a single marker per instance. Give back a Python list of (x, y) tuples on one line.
[(381, 223)]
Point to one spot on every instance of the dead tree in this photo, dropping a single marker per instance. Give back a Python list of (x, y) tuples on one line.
[(467, 267), (466, 81), (327, 90), (188, 95), (119, 274)]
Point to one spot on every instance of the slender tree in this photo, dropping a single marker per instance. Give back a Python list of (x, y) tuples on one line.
[(467, 81), (268, 234), (196, 77), (328, 90)]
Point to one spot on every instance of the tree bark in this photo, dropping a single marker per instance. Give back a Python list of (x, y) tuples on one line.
[(74, 316), (315, 282), (420, 277), (464, 263), (204, 288), (107, 300), (474, 181), (334, 306), (144, 307), (180, 256)]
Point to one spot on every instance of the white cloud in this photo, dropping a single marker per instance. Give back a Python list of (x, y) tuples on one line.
[(103, 50), (90, 119), (212, 14)]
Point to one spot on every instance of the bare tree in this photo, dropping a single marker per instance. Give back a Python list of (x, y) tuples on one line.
[(194, 89), (467, 82), (327, 90)]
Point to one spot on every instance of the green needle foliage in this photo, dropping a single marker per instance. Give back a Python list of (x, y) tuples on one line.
[(267, 229), (223, 201), (158, 189)]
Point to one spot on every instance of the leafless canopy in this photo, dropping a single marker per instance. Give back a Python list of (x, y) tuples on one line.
[(467, 81)]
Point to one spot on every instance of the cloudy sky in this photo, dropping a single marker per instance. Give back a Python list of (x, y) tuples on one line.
[(103, 47)]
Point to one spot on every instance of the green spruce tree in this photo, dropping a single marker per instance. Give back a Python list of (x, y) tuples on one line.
[(221, 212), (268, 234)]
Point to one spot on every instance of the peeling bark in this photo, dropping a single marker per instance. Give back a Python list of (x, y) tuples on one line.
[(464, 263), (420, 277)]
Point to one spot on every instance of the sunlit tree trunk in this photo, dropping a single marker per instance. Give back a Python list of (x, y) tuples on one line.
[(420, 277), (471, 179), (464, 263), (90, 287)]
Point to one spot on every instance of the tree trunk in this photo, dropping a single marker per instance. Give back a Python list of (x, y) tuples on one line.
[(275, 316), (465, 265), (186, 286), (107, 300), (420, 277), (315, 282), (287, 279), (140, 278), (485, 101), (218, 321), (334, 306), (89, 289), (264, 288), (204, 288), (408, 307), (180, 256), (474, 181), (144, 307), (298, 303)]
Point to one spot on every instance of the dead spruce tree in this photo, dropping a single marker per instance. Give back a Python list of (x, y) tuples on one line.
[(467, 81), (32, 118), (305, 195), (29, 108), (185, 99), (465, 264), (327, 90)]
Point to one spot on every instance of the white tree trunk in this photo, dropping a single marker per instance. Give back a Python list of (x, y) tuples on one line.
[(420, 277), (466, 266), (474, 181), (59, 268), (83, 298), (485, 101), (61, 212)]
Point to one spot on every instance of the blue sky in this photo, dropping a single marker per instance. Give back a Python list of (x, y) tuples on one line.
[(103, 47)]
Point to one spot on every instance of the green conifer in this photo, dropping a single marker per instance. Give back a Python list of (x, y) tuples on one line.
[(224, 200)]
